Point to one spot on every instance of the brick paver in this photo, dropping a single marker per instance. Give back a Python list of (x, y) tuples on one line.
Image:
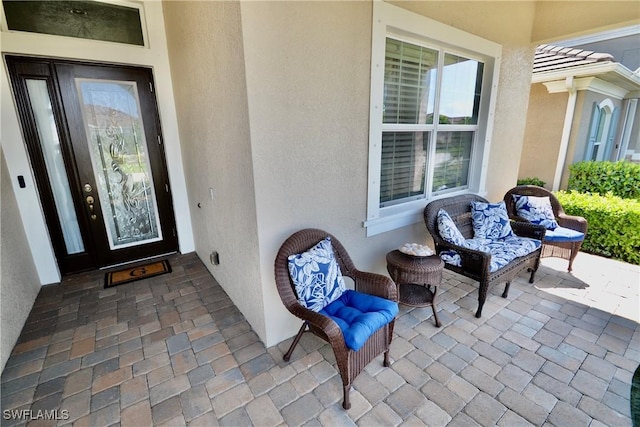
[(174, 350)]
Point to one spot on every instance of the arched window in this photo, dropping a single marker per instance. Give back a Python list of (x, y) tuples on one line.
[(602, 131)]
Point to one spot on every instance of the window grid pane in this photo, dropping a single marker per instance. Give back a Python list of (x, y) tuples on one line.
[(461, 90), (410, 80), (404, 159), (452, 160)]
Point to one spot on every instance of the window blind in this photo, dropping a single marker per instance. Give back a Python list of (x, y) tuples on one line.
[(404, 159)]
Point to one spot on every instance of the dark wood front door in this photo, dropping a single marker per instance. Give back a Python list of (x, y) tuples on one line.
[(94, 138)]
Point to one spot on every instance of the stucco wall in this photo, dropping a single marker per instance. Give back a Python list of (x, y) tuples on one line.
[(304, 162), (19, 282), (308, 71), (207, 67), (308, 67), (510, 120), (543, 134), (302, 141)]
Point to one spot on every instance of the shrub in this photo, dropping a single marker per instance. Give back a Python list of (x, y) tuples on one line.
[(619, 178), (614, 223), (531, 181)]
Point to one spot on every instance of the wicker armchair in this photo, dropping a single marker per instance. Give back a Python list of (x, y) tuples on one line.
[(350, 363), (476, 264), (561, 249)]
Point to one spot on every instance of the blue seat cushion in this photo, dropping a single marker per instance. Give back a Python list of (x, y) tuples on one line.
[(502, 251), (562, 234), (360, 315)]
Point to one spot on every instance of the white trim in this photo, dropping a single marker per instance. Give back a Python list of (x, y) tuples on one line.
[(570, 87), (409, 215), (384, 224), (379, 31), (389, 20), (626, 77), (581, 71), (625, 137), (391, 17), (490, 120), (592, 84), (607, 104), (631, 30)]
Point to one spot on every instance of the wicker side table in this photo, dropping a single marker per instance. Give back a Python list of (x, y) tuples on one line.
[(417, 279)]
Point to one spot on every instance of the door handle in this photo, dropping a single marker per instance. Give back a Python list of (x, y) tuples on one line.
[(90, 200)]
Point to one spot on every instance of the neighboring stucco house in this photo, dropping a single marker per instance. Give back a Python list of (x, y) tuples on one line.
[(583, 106), (278, 116)]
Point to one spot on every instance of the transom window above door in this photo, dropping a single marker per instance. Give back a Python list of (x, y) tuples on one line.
[(429, 116), (120, 21)]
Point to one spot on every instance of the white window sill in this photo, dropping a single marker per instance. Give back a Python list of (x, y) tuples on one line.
[(399, 216), (392, 222)]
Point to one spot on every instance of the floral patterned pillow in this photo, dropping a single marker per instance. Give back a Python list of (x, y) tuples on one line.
[(490, 220), (316, 276), (448, 229), (536, 210)]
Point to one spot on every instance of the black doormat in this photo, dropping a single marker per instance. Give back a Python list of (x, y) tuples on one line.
[(131, 274)]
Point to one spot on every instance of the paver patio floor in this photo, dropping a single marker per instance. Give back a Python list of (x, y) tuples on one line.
[(174, 350)]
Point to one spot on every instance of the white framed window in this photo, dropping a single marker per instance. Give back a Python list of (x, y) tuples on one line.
[(432, 103), (625, 148), (601, 131)]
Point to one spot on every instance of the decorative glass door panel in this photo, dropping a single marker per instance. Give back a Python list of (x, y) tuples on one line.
[(118, 148)]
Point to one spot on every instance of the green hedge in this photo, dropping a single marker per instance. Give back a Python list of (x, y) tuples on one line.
[(618, 178), (614, 223), (531, 181)]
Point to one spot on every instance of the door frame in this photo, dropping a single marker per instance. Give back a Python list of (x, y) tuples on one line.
[(155, 55), (60, 76)]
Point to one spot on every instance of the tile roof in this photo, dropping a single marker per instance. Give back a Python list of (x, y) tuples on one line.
[(554, 58)]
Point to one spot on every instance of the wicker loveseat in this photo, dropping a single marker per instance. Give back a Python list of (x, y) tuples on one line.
[(565, 240), (477, 264), (324, 324)]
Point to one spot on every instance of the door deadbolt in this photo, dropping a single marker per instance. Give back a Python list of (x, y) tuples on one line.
[(88, 188), (90, 200)]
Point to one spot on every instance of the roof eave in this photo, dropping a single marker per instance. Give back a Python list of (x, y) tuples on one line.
[(588, 71)]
